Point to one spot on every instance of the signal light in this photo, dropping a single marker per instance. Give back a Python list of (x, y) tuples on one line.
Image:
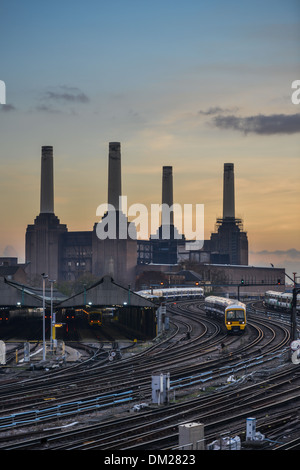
[(278, 282), (242, 281)]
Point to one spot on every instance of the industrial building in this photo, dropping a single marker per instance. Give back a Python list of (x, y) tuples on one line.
[(67, 255)]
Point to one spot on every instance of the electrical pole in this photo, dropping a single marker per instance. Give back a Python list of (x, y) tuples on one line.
[(45, 276), (294, 335)]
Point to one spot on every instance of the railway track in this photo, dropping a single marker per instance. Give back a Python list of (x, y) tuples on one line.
[(160, 425), (193, 355)]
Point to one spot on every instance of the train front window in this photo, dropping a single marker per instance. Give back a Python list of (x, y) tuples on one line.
[(235, 315)]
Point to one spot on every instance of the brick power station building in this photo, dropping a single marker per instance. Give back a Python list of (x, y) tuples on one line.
[(66, 255)]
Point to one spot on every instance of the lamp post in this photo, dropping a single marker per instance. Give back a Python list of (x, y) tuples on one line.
[(45, 276), (296, 290), (294, 334), (52, 316)]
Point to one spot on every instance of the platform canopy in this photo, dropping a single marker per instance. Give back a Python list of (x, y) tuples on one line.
[(106, 292), (15, 294)]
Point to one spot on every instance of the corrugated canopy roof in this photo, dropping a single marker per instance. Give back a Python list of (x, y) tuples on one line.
[(106, 292), (12, 292), (103, 293)]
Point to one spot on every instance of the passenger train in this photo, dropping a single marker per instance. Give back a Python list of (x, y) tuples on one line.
[(231, 313), (7, 316), (4, 316), (172, 293), (281, 301), (95, 318)]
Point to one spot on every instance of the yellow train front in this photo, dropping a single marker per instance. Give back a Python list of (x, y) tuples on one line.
[(95, 318), (231, 313), (235, 318)]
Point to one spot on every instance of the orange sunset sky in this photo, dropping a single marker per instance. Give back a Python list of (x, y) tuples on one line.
[(189, 84)]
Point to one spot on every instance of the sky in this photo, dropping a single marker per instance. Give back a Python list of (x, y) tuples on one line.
[(192, 84)]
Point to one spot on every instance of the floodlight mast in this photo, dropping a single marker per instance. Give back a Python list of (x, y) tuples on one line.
[(294, 333), (45, 276), (296, 290), (52, 317)]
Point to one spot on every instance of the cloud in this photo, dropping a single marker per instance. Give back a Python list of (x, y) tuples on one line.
[(261, 124), (288, 259), (7, 107), (47, 109), (217, 110), (291, 254), (66, 94)]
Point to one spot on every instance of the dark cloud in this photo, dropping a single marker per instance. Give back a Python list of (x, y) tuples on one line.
[(47, 109), (217, 110), (7, 107), (261, 124), (66, 94)]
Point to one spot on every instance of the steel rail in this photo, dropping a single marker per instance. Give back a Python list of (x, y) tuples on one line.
[(139, 362)]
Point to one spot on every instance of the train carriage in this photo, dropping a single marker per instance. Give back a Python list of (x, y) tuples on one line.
[(280, 301), (231, 313), (172, 293)]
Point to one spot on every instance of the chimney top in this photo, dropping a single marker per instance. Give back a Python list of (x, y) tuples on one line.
[(47, 189), (228, 191)]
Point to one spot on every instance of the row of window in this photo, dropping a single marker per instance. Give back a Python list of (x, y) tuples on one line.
[(76, 263)]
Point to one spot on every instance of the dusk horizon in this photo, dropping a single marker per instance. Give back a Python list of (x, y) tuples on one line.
[(191, 85)]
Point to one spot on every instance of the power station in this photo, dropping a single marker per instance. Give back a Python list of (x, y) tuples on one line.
[(66, 255)]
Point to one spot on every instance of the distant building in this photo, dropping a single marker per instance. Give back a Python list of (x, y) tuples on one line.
[(251, 279), (13, 273), (8, 261)]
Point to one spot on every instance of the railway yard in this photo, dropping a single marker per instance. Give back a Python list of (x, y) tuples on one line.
[(98, 395)]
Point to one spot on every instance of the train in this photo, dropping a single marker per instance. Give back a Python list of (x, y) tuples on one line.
[(4, 316), (281, 301), (172, 293), (69, 316), (231, 313), (95, 318), (8, 315)]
